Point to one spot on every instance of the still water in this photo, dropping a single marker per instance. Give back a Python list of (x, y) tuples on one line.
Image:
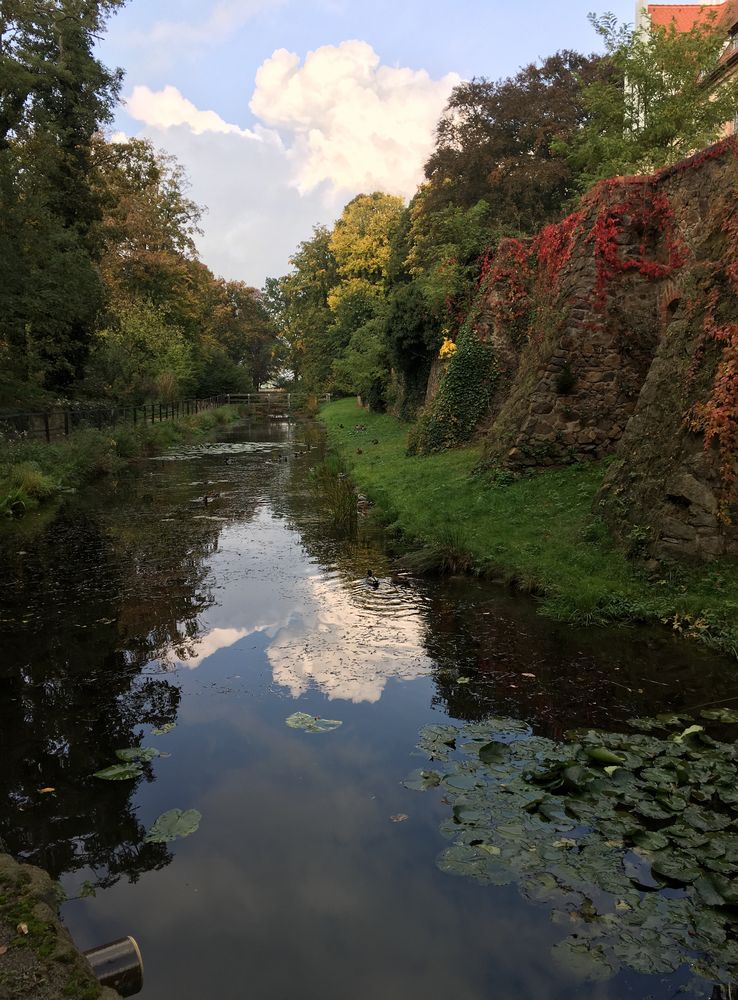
[(139, 605)]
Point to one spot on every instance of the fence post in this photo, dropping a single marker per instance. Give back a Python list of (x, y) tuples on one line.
[(66, 423), (47, 429), (135, 415)]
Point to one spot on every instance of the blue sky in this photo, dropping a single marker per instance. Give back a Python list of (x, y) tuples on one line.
[(275, 139)]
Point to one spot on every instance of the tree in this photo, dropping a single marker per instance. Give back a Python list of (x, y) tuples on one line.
[(298, 304), (664, 98), (54, 96), (500, 142)]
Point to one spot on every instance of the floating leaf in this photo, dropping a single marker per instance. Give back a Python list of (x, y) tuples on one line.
[(133, 754), (120, 772), (312, 723), (720, 715), (493, 752), (421, 781), (692, 731), (163, 730), (583, 959), (399, 818), (600, 755), (173, 825)]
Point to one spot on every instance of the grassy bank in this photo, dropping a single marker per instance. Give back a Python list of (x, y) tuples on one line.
[(32, 473), (538, 532)]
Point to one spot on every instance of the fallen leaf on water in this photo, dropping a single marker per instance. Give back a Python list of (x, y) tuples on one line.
[(3, 949), (46, 791), (527, 675), (399, 818), (22, 928)]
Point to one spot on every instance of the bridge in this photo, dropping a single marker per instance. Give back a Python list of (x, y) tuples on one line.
[(268, 402)]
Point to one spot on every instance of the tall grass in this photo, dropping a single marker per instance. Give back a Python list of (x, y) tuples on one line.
[(335, 494)]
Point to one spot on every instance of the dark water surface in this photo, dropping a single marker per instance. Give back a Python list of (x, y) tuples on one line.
[(139, 605)]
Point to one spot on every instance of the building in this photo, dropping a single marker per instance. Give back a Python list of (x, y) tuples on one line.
[(685, 16)]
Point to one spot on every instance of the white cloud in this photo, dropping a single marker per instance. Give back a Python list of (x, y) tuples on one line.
[(354, 123), (167, 107)]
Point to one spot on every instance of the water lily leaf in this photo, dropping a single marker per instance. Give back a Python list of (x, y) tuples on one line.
[(163, 730), (650, 840), (438, 741), (651, 810), (173, 825), (601, 755), (720, 715), (467, 814), (692, 731), (137, 754), (120, 772), (460, 782), (675, 868), (463, 680), (705, 819), (583, 959), (708, 891), (421, 781), (312, 723), (493, 752)]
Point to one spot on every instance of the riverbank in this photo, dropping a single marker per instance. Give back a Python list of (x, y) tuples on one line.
[(33, 473), (538, 533), (37, 956)]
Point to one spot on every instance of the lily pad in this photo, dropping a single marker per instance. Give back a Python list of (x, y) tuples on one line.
[(493, 752), (720, 715), (163, 730), (120, 772), (312, 723), (134, 754), (173, 825)]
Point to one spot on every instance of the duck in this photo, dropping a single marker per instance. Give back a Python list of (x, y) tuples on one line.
[(371, 580)]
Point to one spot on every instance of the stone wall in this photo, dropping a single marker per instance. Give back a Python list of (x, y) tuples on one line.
[(612, 355)]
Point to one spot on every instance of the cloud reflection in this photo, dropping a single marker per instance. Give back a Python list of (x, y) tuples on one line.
[(342, 639)]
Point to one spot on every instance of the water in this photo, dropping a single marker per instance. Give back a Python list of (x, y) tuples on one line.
[(138, 605)]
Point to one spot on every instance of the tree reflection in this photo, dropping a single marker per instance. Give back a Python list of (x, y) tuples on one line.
[(90, 606)]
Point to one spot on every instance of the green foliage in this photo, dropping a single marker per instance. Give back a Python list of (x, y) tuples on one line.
[(669, 108), (413, 338), (462, 400), (537, 532), (445, 246), (362, 369), (55, 95), (629, 838), (142, 357), (34, 472), (495, 142)]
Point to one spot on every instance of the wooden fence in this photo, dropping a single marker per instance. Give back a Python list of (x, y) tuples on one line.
[(60, 422)]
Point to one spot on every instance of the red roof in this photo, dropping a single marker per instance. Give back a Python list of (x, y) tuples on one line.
[(686, 15)]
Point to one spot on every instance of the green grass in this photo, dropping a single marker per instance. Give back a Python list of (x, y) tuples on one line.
[(538, 532), (33, 472)]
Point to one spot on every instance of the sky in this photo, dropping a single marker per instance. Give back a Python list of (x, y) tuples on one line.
[(281, 111)]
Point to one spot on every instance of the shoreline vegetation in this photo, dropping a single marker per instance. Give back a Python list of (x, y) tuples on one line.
[(539, 533), (33, 473)]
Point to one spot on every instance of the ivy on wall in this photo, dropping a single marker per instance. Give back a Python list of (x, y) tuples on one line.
[(463, 398)]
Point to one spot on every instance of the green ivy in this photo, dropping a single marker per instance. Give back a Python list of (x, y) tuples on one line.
[(463, 398)]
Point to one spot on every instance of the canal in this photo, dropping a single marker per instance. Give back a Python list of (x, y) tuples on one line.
[(193, 606)]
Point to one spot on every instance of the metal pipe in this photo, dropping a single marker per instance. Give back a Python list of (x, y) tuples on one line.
[(118, 965)]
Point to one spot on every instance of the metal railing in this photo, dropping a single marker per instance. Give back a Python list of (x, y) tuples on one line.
[(61, 421)]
